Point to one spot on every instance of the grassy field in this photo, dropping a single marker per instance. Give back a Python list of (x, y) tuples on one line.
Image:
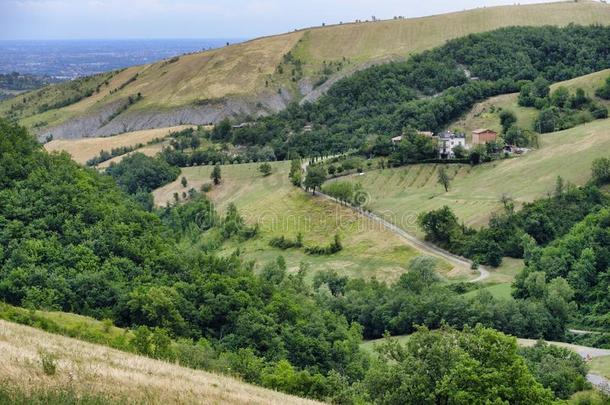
[(250, 69), (400, 194), (84, 149), (281, 209), (370, 345), (486, 113), (501, 278), (89, 369), (148, 150), (601, 366), (501, 291)]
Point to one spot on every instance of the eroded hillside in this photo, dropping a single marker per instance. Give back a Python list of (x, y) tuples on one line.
[(262, 75)]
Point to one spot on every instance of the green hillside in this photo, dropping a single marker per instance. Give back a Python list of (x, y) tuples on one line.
[(486, 113), (282, 209), (400, 194), (263, 74)]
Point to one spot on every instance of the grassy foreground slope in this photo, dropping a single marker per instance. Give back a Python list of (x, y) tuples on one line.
[(400, 194), (251, 71), (282, 209), (112, 375)]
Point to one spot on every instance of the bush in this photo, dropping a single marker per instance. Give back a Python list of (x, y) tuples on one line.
[(601, 171), (265, 169), (281, 242), (48, 362), (604, 91), (334, 247)]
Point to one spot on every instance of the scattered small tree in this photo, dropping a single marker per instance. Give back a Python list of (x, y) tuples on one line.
[(601, 171), (560, 97), (459, 152), (604, 91), (507, 119), (295, 172), (265, 169), (444, 179), (184, 182), (216, 175), (315, 177)]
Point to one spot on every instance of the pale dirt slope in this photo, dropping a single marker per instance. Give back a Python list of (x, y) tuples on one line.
[(95, 369)]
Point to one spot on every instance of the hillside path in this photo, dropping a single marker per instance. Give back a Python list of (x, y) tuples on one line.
[(411, 239)]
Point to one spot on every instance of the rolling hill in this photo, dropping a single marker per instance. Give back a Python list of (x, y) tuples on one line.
[(99, 374), (400, 194), (261, 75), (369, 249)]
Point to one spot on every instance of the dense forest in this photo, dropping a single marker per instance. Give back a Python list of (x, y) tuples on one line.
[(73, 240), (582, 257), (429, 90)]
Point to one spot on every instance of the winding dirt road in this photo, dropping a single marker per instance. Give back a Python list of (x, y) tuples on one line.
[(410, 239), (416, 242)]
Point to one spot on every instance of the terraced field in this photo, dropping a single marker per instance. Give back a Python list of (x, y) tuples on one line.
[(282, 209)]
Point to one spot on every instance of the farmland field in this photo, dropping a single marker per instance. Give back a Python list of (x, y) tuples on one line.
[(486, 113)]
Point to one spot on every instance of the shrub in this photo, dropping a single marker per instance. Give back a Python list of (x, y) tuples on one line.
[(281, 242), (265, 169), (334, 247), (48, 362), (604, 91)]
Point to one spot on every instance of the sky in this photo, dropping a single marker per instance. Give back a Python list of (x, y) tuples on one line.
[(115, 19)]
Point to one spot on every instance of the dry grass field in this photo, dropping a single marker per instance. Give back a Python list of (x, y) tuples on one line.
[(84, 149), (90, 369), (250, 68), (279, 208)]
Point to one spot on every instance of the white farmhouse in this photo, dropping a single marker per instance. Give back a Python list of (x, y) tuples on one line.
[(447, 142)]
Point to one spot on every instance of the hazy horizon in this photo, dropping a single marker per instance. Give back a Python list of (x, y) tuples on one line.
[(53, 20)]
